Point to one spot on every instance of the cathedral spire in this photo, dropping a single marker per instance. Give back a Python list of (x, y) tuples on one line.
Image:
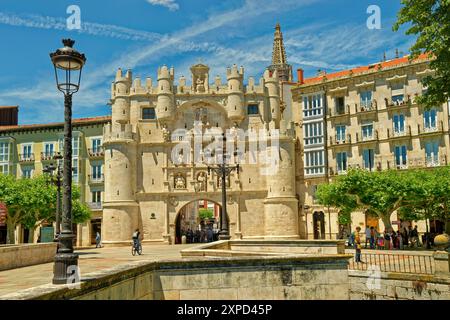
[(278, 54), (279, 61)]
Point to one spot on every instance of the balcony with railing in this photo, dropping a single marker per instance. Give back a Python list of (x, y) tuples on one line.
[(399, 134), (339, 141), (96, 178), (437, 128), (339, 111), (95, 205), (366, 107), (334, 171), (398, 103), (95, 153), (391, 162), (47, 156), (428, 161), (367, 138), (26, 157)]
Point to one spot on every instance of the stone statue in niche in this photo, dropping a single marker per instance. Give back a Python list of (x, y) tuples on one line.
[(180, 182), (201, 181), (200, 85), (227, 181), (166, 134)]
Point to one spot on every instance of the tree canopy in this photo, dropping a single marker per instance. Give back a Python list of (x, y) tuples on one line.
[(414, 194), (429, 20), (31, 202)]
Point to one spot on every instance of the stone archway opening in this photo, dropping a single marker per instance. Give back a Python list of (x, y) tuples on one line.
[(198, 222)]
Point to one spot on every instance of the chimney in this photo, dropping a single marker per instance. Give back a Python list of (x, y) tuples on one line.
[(300, 76)]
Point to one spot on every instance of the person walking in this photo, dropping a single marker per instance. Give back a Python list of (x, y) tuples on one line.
[(373, 236), (405, 237), (367, 232), (400, 240), (415, 237), (358, 246), (387, 240), (98, 240)]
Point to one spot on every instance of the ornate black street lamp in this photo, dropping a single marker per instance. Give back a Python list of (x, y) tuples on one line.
[(49, 170), (223, 170), (68, 64)]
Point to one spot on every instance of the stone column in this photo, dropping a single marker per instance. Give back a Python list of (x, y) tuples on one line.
[(166, 235)]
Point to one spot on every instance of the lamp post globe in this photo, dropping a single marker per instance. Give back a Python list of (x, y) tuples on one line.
[(68, 64)]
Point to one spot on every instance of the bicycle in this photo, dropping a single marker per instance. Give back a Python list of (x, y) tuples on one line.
[(136, 248)]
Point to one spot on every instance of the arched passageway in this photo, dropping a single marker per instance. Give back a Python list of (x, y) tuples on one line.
[(198, 222)]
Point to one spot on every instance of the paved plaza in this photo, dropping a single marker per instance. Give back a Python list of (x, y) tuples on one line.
[(90, 260)]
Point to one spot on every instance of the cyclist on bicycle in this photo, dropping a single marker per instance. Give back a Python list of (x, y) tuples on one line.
[(136, 235)]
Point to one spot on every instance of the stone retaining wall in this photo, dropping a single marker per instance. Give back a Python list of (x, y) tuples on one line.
[(398, 286), (252, 278), (22, 255)]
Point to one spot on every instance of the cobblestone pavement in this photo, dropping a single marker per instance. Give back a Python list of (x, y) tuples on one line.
[(90, 260)]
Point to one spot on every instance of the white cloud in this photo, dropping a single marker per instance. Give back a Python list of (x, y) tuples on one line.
[(170, 4), (95, 29)]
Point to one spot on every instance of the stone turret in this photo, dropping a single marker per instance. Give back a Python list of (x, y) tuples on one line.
[(165, 106), (235, 100), (120, 97), (281, 204), (273, 90), (120, 210)]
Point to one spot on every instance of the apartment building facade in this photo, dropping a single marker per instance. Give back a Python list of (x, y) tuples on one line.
[(25, 150), (370, 120)]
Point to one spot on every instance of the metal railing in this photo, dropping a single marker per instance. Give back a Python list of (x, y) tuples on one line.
[(335, 141), (366, 106), (95, 205), (47, 156), (96, 152), (406, 132), (98, 178), (436, 128), (402, 263), (26, 157)]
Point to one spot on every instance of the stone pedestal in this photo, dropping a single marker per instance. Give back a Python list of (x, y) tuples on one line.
[(442, 262), (65, 266)]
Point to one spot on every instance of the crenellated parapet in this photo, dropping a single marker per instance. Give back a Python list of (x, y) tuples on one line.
[(118, 133), (130, 96)]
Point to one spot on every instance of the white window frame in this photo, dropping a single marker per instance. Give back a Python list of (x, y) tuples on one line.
[(400, 130), (342, 136), (338, 164), (31, 170), (372, 131), (402, 162)]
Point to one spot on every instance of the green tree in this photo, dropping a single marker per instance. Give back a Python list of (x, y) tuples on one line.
[(431, 197), (11, 195), (381, 193), (331, 195), (429, 21), (204, 213), (32, 201)]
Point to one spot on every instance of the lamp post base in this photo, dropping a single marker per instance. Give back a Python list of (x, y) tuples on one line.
[(65, 268), (224, 236)]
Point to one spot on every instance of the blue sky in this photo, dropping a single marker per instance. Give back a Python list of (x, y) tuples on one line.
[(144, 34)]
